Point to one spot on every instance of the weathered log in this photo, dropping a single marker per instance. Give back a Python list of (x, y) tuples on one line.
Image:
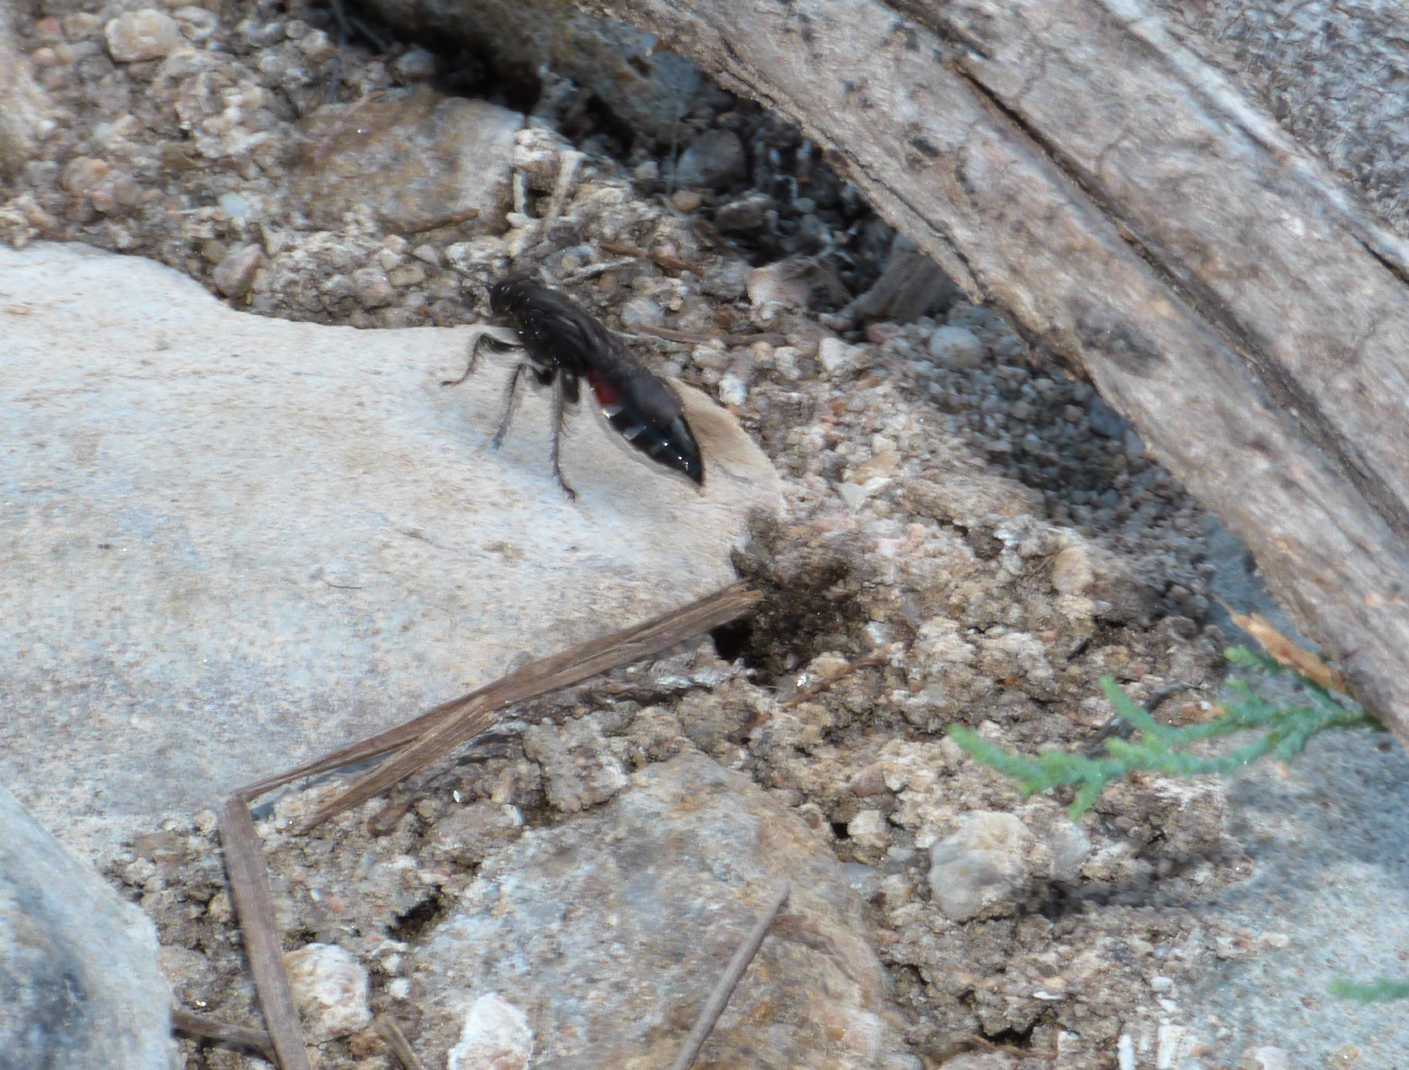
[(1078, 164)]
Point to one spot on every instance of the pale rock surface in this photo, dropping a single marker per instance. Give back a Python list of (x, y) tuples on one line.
[(79, 984), (609, 931), (234, 543)]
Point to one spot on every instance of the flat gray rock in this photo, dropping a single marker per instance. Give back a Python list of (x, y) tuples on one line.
[(234, 543), (600, 939), (79, 984)]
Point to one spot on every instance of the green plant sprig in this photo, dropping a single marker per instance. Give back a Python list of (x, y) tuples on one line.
[(1158, 748)]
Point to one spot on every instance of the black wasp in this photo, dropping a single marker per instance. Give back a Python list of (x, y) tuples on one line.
[(564, 345)]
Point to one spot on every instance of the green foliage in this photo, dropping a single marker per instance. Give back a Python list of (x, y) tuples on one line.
[(1283, 732), (1375, 992)]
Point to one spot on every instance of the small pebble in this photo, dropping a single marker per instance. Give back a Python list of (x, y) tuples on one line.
[(330, 988), (415, 65), (956, 347), (234, 275), (145, 34)]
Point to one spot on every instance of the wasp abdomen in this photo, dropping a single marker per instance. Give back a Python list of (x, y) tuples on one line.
[(645, 411)]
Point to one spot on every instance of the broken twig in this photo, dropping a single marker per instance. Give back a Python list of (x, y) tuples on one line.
[(457, 722), (239, 1036), (396, 1040), (254, 903), (733, 973), (463, 718)]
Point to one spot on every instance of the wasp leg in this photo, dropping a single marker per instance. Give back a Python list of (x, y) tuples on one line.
[(509, 397), (494, 344), (559, 416)]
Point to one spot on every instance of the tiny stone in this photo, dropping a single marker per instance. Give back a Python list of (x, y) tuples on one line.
[(1265, 1058), (234, 275), (373, 288), (713, 160), (416, 65), (469, 834), (641, 312), (330, 988), (81, 24), (956, 347), (1072, 572), (83, 173), (407, 275), (743, 215), (579, 769), (198, 23), (317, 46), (495, 1034), (868, 828), (686, 200), (145, 34), (732, 389), (1105, 421), (839, 359), (979, 869)]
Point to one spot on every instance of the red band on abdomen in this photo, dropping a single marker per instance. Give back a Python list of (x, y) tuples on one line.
[(606, 393)]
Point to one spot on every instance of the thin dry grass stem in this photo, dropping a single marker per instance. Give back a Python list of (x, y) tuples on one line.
[(451, 724), (593, 270), (567, 668), (239, 1036), (254, 903), (733, 973), (387, 1027)]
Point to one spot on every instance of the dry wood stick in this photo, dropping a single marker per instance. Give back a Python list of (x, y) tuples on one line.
[(396, 1040), (478, 711), (241, 1036), (539, 677), (254, 902), (719, 998), (447, 726)]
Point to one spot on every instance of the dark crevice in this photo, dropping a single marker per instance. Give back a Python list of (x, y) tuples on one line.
[(1392, 266), (732, 641), (412, 923)]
